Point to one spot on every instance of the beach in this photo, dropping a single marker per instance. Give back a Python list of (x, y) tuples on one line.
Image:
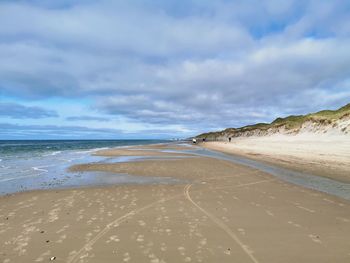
[(213, 210), (322, 155), (174, 131)]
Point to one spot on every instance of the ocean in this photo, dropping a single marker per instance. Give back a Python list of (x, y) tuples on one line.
[(43, 164)]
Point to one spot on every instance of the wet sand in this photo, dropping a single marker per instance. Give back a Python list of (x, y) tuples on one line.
[(154, 150), (219, 212)]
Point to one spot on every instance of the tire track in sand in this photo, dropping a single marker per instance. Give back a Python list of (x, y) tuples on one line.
[(221, 224), (88, 246)]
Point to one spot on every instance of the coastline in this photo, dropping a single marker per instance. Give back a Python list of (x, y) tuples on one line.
[(32, 165), (217, 212)]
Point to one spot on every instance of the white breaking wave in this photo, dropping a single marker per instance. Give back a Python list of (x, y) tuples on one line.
[(53, 153), (40, 169), (92, 150)]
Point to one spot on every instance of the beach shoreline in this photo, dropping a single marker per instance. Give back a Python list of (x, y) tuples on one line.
[(32, 165), (219, 211)]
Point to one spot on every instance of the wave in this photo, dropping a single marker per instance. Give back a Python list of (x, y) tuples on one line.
[(92, 150), (40, 168), (53, 153)]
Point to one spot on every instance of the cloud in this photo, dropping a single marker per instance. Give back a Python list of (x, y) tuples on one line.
[(18, 111), (20, 131), (196, 64), (86, 118), (47, 131), (221, 91)]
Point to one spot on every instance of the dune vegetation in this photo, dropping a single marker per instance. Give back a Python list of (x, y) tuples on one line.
[(290, 124)]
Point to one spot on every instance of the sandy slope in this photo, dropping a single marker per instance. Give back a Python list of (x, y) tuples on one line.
[(323, 155), (221, 213)]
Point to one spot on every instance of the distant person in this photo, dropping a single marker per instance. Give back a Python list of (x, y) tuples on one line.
[(229, 139), (203, 139), (194, 141)]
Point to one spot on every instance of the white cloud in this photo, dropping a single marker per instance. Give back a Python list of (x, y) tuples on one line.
[(194, 64)]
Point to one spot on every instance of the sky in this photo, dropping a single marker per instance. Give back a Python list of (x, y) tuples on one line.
[(88, 69)]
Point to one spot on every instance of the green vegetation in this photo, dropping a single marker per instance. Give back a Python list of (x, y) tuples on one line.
[(293, 122)]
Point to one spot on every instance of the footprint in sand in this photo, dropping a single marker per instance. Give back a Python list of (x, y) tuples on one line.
[(315, 238), (294, 224), (269, 213), (140, 238), (241, 231), (181, 250), (113, 238), (153, 258), (163, 247), (227, 251), (43, 256), (126, 257), (203, 242), (61, 239), (141, 223), (188, 259)]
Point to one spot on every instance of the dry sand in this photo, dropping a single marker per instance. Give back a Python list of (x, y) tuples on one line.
[(221, 213), (327, 156)]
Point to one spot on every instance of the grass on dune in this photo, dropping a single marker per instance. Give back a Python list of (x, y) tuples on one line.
[(292, 122)]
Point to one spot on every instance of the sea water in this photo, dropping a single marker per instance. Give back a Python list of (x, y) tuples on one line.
[(30, 165)]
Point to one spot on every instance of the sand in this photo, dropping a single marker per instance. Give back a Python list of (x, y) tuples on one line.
[(220, 212), (327, 156), (153, 150)]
